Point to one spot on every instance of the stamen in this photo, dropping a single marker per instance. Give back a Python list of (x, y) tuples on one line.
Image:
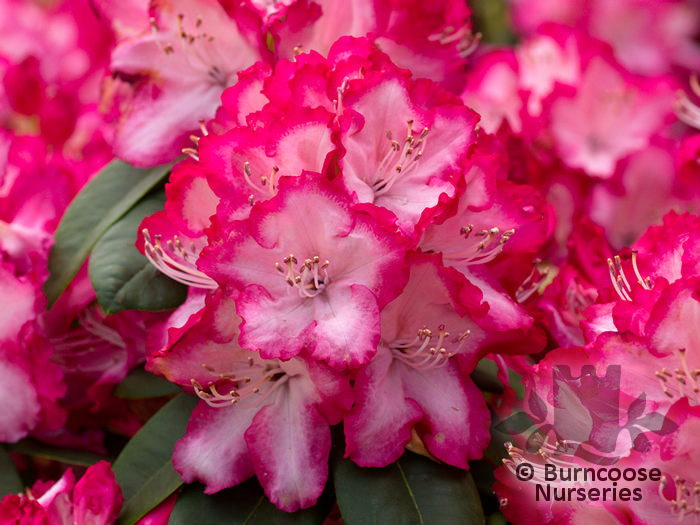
[(192, 153), (399, 160), (267, 183), (89, 346), (173, 261), (426, 356), (481, 247), (644, 283), (682, 382), (466, 42), (310, 278), (249, 381), (618, 282), (532, 283), (680, 506), (686, 110)]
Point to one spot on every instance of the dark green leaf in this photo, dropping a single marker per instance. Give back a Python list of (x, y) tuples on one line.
[(144, 469), (496, 519), (112, 193), (140, 384), (517, 423), (122, 277), (31, 447), (412, 491), (10, 482), (491, 21), (244, 504), (444, 494), (485, 376)]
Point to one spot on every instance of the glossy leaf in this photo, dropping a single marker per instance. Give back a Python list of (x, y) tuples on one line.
[(10, 482), (140, 384), (243, 504), (122, 277), (111, 194), (412, 491), (31, 447), (144, 469)]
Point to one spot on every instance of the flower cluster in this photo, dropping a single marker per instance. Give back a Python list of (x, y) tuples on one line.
[(380, 230), (356, 282)]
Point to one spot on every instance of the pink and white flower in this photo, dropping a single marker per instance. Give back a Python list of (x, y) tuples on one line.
[(264, 417), (312, 272)]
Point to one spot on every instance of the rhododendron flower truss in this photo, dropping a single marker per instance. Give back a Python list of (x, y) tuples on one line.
[(170, 75), (312, 272), (412, 383), (257, 416)]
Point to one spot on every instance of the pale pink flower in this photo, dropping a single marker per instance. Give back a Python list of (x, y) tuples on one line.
[(649, 37)]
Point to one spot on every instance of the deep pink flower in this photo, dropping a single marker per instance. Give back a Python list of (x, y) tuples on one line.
[(492, 90), (244, 164), (97, 498), (28, 377), (576, 286), (94, 500), (51, 61)]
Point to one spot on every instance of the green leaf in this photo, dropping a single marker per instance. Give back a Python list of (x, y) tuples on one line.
[(412, 491), (31, 447), (490, 18), (10, 482), (100, 204), (140, 384), (485, 376), (144, 469), (244, 504), (122, 277)]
